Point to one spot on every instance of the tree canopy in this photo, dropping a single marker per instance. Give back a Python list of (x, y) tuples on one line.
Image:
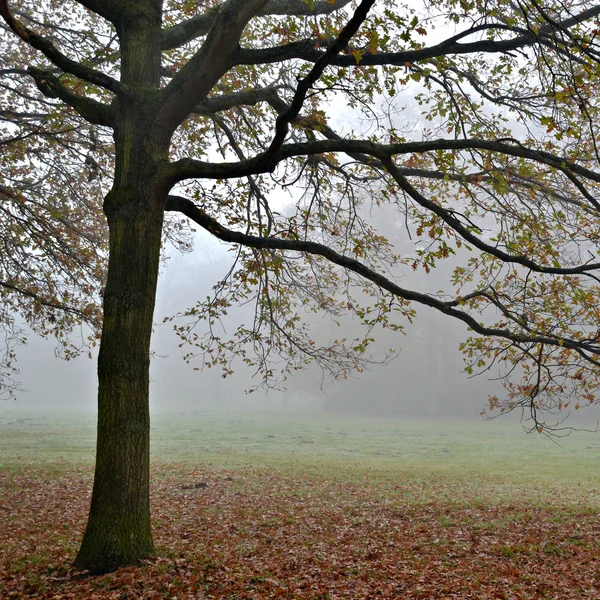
[(472, 125)]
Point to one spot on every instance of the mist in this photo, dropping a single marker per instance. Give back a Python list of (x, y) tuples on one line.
[(425, 377)]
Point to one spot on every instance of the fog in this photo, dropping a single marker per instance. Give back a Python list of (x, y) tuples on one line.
[(424, 379)]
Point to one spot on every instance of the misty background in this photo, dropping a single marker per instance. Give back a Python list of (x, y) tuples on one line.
[(425, 378)]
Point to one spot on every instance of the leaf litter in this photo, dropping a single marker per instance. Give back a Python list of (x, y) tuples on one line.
[(258, 532)]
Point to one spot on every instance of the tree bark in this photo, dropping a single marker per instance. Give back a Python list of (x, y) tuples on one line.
[(118, 531)]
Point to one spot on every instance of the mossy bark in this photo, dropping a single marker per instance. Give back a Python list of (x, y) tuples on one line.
[(118, 531)]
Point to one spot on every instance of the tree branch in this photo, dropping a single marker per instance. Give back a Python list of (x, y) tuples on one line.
[(107, 9), (309, 51), (186, 31), (450, 218), (182, 33), (190, 168), (48, 303), (283, 120), (384, 154), (215, 57), (300, 8), (13, 23), (199, 216), (280, 106), (223, 102), (91, 110), (48, 49)]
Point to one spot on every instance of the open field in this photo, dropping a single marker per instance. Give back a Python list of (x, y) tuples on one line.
[(313, 506)]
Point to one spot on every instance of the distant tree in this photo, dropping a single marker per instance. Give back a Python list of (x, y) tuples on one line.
[(215, 110)]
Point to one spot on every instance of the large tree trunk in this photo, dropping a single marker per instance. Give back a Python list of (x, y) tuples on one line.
[(118, 531)]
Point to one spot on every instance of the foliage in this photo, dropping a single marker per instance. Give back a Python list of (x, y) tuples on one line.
[(261, 534), (52, 231), (501, 160)]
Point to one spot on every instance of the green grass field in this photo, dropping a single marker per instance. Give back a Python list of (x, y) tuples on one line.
[(490, 452), (474, 499)]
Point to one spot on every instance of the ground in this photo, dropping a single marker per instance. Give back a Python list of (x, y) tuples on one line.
[(313, 506)]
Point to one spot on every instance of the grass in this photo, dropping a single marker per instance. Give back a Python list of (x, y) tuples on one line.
[(495, 452)]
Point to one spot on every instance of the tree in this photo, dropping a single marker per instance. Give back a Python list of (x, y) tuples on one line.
[(209, 111)]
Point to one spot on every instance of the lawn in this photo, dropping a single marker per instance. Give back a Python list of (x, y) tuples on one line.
[(276, 505)]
